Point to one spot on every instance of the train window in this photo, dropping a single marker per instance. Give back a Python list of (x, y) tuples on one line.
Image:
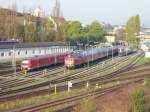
[(33, 52), (9, 53), (40, 51), (18, 52), (2, 54), (26, 52)]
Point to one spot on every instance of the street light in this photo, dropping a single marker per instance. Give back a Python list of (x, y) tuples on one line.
[(87, 51), (13, 60), (92, 52), (112, 51)]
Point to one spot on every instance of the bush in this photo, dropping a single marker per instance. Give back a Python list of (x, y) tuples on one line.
[(87, 105), (146, 82), (138, 101)]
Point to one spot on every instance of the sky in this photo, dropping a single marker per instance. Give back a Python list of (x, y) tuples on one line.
[(115, 12)]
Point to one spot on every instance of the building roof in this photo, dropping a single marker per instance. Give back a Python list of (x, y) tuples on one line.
[(31, 45)]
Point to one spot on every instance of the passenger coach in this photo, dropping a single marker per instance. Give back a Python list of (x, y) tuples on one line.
[(83, 57)]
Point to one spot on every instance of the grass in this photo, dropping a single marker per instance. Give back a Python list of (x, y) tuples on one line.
[(146, 82), (36, 100), (40, 99), (87, 105), (138, 101), (143, 60)]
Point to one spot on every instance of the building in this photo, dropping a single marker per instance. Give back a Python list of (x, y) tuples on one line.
[(115, 35), (24, 50), (37, 12), (110, 37)]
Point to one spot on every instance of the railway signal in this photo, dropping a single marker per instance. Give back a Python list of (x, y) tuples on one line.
[(25, 72), (87, 85), (53, 87), (14, 59), (44, 71), (69, 85), (96, 85)]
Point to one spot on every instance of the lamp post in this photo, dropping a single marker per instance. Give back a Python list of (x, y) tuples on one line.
[(112, 52), (88, 51), (92, 51), (13, 59), (107, 51)]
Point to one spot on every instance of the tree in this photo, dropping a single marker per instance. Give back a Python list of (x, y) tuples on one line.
[(30, 33), (76, 32), (95, 32), (137, 24), (3, 17), (73, 31), (48, 31), (132, 30)]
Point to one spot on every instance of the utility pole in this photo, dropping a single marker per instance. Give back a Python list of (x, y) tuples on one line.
[(14, 60), (112, 52), (88, 51)]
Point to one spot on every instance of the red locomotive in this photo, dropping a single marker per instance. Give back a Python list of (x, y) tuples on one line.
[(83, 57), (41, 61)]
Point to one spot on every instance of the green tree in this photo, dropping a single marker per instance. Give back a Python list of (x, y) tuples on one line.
[(30, 33), (48, 32), (96, 32), (137, 24), (76, 32), (3, 18), (132, 30), (73, 31)]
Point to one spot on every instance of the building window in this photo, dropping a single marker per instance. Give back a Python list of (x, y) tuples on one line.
[(2, 54)]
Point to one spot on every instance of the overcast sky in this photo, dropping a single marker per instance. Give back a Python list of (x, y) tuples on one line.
[(110, 11)]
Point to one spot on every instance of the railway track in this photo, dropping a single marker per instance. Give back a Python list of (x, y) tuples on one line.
[(4, 93), (8, 96), (21, 79), (72, 100), (8, 69)]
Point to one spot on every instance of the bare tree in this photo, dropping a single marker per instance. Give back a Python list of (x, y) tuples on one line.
[(3, 17)]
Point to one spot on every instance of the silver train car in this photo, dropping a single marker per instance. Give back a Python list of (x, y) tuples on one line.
[(125, 50)]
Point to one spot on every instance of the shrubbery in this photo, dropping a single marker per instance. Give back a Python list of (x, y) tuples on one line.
[(147, 82), (87, 105), (138, 101)]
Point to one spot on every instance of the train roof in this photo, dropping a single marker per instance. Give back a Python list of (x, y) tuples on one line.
[(41, 56), (90, 51), (10, 45)]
